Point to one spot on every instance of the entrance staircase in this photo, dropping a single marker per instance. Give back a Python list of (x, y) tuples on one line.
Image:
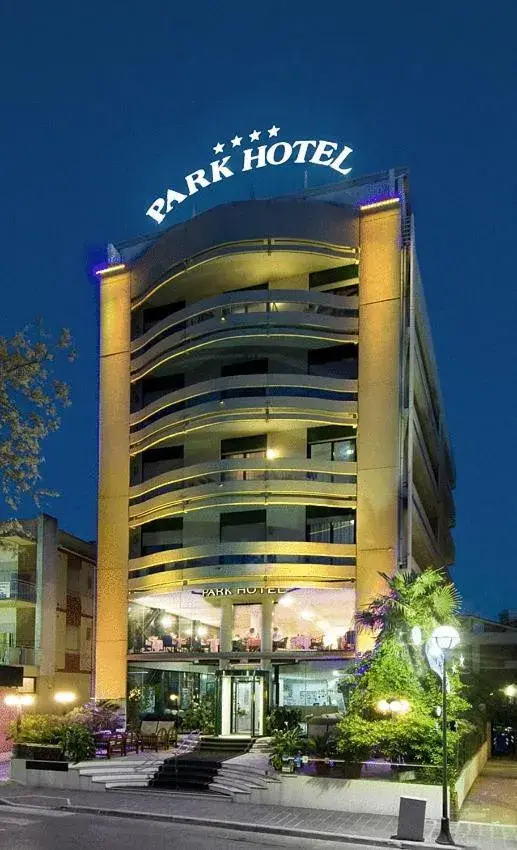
[(197, 770)]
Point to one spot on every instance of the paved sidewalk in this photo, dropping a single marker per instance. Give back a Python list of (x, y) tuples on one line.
[(493, 796), (213, 811)]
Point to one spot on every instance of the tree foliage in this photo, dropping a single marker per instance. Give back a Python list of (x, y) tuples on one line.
[(397, 670), (424, 599), (31, 398)]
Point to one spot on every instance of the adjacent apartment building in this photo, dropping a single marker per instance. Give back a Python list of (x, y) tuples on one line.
[(47, 596), (272, 438)]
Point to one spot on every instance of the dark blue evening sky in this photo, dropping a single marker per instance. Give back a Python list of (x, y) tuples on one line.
[(103, 104)]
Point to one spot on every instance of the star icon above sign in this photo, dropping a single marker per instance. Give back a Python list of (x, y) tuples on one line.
[(236, 141), (273, 131), (255, 136), (218, 148)]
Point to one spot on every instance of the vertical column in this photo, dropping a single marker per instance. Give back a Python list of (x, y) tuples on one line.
[(112, 553), (226, 625), (379, 402), (46, 590), (267, 624)]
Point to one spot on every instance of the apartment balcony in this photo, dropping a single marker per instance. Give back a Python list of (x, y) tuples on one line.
[(18, 655), (260, 317), (292, 563), (289, 481), (308, 400), (17, 591)]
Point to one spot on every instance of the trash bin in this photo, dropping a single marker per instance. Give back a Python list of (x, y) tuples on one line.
[(411, 821)]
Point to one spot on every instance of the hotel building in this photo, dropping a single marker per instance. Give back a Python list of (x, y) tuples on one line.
[(272, 438)]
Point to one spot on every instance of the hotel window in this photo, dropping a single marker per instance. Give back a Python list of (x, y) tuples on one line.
[(330, 526), (245, 449), (244, 367), (162, 534), (332, 443), (155, 314), (155, 388), (243, 526), (156, 461), (337, 361)]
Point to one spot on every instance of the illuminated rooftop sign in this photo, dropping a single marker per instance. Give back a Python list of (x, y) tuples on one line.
[(242, 158)]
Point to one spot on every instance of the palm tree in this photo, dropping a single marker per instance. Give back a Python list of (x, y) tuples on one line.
[(426, 599)]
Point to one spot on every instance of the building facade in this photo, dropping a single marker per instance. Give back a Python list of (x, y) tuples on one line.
[(47, 597), (272, 438)]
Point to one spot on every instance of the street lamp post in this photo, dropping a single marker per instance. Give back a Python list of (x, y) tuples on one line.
[(18, 701), (446, 639)]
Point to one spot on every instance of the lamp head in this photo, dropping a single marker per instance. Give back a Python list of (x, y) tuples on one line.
[(446, 638)]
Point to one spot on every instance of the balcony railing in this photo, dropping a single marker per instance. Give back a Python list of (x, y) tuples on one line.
[(223, 306), (16, 589), (17, 655)]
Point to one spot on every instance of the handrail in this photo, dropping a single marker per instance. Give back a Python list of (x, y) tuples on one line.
[(266, 381), (222, 300), (317, 411), (252, 464)]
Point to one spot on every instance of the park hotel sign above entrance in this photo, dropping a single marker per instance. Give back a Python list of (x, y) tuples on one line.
[(246, 153)]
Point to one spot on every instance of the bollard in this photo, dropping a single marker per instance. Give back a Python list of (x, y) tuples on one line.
[(411, 821)]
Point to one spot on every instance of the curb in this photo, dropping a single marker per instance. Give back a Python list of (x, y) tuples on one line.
[(241, 826)]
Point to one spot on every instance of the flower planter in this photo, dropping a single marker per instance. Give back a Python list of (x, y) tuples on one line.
[(38, 752)]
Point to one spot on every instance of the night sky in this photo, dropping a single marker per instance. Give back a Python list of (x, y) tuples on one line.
[(104, 104)]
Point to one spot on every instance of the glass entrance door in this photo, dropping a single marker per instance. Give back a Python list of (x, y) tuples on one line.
[(243, 706)]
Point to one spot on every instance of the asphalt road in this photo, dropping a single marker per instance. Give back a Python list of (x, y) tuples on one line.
[(26, 829)]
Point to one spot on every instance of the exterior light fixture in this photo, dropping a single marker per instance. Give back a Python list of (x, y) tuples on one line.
[(65, 698), (416, 636), (173, 697), (510, 691), (166, 621), (445, 639), (271, 454), (394, 706), (18, 700)]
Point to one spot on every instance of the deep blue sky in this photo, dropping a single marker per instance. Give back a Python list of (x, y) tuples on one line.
[(105, 103)]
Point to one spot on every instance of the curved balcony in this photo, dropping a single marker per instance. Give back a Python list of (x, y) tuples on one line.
[(226, 483), (290, 563), (228, 413), (219, 390), (317, 317)]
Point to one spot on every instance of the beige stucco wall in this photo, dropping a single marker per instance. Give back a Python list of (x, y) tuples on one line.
[(378, 397), (111, 627)]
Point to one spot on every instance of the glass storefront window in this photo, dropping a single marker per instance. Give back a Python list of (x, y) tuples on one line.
[(247, 628), (312, 685), (315, 620), (180, 621)]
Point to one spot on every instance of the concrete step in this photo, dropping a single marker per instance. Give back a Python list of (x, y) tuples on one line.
[(258, 781), (90, 771), (127, 783), (240, 780), (229, 790), (119, 777)]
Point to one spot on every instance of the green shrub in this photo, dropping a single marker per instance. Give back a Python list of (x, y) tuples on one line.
[(285, 744), (78, 743), (282, 718), (37, 729), (200, 715), (96, 716)]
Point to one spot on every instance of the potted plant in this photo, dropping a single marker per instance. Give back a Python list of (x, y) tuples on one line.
[(323, 748), (285, 745)]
